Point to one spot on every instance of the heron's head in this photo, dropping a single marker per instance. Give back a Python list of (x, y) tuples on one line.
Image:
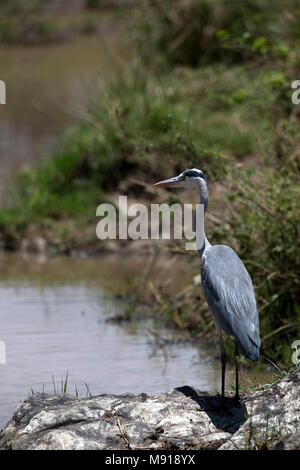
[(187, 179)]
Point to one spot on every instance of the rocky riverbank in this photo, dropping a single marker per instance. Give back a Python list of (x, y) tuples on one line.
[(183, 418)]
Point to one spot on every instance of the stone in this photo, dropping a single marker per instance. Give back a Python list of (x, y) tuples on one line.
[(273, 413), (175, 419), (289, 442), (181, 418)]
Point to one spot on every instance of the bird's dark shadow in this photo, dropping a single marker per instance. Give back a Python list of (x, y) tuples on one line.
[(226, 414)]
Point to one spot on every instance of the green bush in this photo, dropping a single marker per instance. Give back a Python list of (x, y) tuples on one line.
[(189, 32), (264, 226)]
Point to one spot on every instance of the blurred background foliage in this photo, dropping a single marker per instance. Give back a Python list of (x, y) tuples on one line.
[(193, 33), (209, 87)]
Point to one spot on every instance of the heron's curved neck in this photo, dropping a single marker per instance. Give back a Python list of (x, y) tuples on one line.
[(204, 194)]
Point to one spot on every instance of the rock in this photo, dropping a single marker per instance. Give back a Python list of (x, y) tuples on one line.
[(182, 418), (176, 419), (273, 413), (289, 442)]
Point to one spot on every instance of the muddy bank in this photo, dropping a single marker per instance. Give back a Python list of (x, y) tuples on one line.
[(181, 418)]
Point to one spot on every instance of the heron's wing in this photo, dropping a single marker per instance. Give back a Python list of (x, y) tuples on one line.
[(230, 295)]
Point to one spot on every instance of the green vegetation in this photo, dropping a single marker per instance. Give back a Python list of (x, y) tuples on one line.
[(62, 386), (193, 33), (20, 22), (211, 88), (42, 22)]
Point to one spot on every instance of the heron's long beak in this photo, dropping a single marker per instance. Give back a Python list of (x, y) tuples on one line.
[(170, 182)]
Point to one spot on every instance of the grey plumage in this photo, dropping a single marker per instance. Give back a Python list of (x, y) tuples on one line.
[(230, 296)]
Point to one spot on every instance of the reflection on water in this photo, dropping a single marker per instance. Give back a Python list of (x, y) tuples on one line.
[(59, 325)]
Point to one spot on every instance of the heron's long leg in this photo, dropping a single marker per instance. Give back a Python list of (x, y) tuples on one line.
[(237, 396), (223, 361)]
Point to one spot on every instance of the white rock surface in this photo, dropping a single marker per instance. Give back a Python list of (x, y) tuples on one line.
[(182, 418)]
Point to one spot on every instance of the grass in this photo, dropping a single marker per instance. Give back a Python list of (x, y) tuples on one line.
[(260, 439), (62, 386), (194, 33)]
